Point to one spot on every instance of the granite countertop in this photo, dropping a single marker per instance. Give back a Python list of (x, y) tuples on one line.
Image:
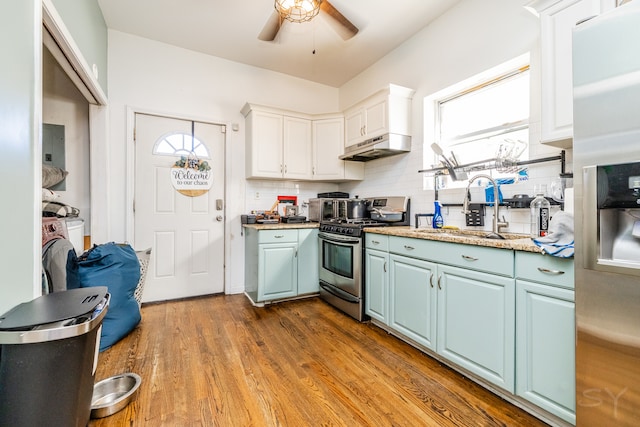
[(518, 242), (282, 226)]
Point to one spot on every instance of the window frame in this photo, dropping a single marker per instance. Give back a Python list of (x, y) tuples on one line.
[(432, 118), (183, 151)]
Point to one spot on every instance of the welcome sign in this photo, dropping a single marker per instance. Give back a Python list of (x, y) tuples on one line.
[(191, 176)]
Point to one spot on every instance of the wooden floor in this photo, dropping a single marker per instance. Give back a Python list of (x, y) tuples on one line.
[(218, 361)]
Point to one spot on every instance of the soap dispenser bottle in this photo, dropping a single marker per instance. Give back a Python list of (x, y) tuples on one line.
[(438, 222), (540, 213)]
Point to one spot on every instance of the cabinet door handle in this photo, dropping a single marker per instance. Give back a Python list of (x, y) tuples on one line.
[(285, 168), (431, 280), (281, 168), (439, 286), (385, 266), (547, 271), (296, 254), (409, 248), (469, 258)]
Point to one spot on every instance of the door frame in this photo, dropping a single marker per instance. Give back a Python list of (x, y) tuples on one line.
[(76, 67), (130, 177)]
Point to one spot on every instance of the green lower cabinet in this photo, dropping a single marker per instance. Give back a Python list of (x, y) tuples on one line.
[(280, 263), (278, 271), (514, 329), (545, 347), (476, 323), (376, 284), (413, 299)]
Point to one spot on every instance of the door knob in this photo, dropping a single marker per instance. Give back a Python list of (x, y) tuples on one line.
[(219, 218)]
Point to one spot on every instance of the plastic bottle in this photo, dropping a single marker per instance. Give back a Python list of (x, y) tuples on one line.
[(438, 222), (540, 215)]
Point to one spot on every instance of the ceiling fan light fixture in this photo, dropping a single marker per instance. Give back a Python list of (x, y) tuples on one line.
[(297, 10)]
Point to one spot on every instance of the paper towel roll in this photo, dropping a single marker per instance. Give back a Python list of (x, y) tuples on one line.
[(568, 200)]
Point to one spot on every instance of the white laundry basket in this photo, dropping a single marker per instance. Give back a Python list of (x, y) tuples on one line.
[(144, 257)]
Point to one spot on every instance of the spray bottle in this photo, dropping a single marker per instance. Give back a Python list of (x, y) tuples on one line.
[(438, 222)]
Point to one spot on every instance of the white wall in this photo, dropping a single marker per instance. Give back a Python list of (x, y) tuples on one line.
[(470, 38), (153, 76), (63, 104)]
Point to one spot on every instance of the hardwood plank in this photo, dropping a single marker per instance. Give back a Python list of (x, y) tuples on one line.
[(218, 361)]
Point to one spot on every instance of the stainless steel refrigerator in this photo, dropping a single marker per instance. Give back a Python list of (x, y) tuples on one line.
[(606, 150)]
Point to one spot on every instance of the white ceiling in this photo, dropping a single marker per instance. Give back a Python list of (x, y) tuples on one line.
[(229, 29)]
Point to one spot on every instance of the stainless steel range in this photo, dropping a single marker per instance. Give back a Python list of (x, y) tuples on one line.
[(341, 253)]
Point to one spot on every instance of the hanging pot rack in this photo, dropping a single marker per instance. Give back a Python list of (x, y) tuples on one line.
[(495, 164)]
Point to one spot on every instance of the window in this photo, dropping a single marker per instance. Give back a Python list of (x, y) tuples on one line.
[(180, 144), (480, 120)]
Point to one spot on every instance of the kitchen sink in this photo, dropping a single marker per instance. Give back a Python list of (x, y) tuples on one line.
[(474, 234)]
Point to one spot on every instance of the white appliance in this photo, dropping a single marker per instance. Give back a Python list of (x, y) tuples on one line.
[(75, 232), (606, 77)]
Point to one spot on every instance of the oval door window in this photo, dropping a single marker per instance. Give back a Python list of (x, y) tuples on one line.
[(190, 175), (180, 144)]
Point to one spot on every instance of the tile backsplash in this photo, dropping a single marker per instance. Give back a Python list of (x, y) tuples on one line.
[(262, 194), (398, 176)]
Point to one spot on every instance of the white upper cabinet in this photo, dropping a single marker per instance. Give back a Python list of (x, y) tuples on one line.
[(283, 144), (386, 111), (328, 144), (278, 145), (297, 148), (557, 20), (264, 156)]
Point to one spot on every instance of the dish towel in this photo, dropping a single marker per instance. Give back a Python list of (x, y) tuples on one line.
[(559, 242)]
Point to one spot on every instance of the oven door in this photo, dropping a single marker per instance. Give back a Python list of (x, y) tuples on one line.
[(341, 262)]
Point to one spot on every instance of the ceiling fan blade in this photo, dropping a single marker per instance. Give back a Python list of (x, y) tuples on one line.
[(343, 26), (271, 28)]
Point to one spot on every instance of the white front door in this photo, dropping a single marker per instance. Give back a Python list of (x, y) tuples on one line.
[(186, 234)]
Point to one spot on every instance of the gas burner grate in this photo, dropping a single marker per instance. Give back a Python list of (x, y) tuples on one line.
[(347, 221)]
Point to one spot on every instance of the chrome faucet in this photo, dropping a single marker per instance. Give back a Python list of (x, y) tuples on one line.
[(497, 225)]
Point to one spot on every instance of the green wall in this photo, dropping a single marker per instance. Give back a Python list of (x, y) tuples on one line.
[(86, 24), (20, 131), (20, 111)]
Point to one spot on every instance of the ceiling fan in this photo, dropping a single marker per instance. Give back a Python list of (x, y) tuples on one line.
[(302, 11)]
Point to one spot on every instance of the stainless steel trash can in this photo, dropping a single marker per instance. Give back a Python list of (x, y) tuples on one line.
[(48, 357)]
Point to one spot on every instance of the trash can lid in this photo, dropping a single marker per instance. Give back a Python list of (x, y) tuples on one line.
[(52, 308)]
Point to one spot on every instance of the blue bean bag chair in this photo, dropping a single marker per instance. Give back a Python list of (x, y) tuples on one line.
[(115, 266)]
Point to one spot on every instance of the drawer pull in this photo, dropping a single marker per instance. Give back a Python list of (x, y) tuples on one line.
[(375, 242), (469, 258), (409, 248), (547, 271), (279, 236)]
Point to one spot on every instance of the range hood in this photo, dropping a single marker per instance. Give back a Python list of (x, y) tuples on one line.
[(381, 146)]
